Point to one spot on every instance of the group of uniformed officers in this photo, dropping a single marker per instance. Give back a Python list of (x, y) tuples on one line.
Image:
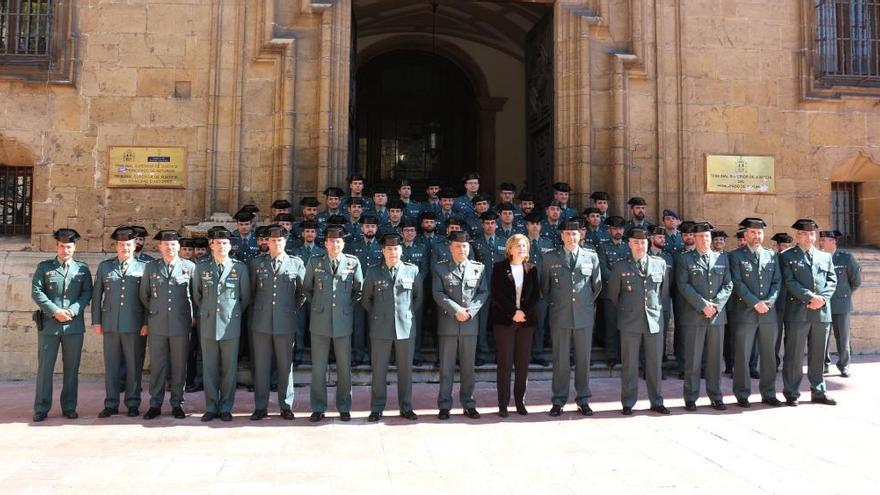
[(367, 278)]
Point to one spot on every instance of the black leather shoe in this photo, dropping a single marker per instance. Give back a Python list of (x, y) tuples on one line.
[(444, 414), (133, 412), (259, 414), (556, 411), (825, 369), (226, 417), (472, 413), (194, 388), (153, 412), (690, 406), (287, 414), (743, 403), (410, 415), (719, 405), (791, 402), (480, 362), (39, 417), (585, 410), (315, 417), (540, 362), (502, 411), (374, 417), (627, 411), (754, 374), (209, 416), (70, 414), (681, 375), (772, 401), (344, 416), (660, 409), (828, 401), (107, 412), (728, 371), (178, 412), (521, 410), (845, 373)]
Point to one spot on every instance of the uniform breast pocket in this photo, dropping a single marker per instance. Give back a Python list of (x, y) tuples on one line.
[(586, 270), (229, 289), (471, 283), (657, 278), (405, 284)]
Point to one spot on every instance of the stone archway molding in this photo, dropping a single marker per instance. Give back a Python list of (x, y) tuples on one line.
[(487, 105)]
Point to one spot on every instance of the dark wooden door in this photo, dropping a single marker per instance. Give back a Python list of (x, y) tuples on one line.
[(399, 96), (539, 108)]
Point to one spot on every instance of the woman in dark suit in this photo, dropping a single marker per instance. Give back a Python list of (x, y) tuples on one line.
[(515, 292)]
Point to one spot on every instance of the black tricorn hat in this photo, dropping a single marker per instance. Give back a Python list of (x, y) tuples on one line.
[(66, 235), (637, 233), (123, 234), (752, 223), (805, 224), (459, 236), (615, 221), (168, 235)]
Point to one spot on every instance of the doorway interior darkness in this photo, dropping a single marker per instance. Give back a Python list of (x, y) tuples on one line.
[(403, 97)]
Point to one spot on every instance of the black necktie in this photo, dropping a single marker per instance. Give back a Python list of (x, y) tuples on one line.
[(334, 264), (219, 269), (572, 260), (809, 254)]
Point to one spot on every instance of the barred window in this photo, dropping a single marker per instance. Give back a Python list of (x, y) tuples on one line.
[(16, 189), (848, 40), (25, 27), (36, 40)]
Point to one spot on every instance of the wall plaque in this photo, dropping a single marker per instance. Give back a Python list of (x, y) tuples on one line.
[(144, 166), (740, 174)]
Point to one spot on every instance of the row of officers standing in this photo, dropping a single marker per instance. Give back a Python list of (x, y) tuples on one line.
[(163, 300)]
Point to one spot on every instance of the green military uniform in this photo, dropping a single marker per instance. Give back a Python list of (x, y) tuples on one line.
[(369, 254), (221, 292), (539, 248), (117, 308), (610, 253), (487, 251), (166, 292), (418, 254), (456, 287), (305, 253), (333, 295), (391, 296), (56, 286), (703, 278), (756, 277), (806, 274), (278, 296), (570, 283), (849, 278), (637, 289)]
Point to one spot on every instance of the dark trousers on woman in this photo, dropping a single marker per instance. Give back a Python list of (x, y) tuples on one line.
[(513, 349)]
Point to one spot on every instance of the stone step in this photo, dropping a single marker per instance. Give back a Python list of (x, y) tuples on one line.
[(362, 375)]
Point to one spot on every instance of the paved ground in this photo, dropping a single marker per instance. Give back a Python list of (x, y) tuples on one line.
[(809, 449)]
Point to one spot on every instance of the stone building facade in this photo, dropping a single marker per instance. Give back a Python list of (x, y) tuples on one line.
[(633, 94)]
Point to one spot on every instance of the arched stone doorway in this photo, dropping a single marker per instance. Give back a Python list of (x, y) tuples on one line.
[(434, 80), (404, 97)]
